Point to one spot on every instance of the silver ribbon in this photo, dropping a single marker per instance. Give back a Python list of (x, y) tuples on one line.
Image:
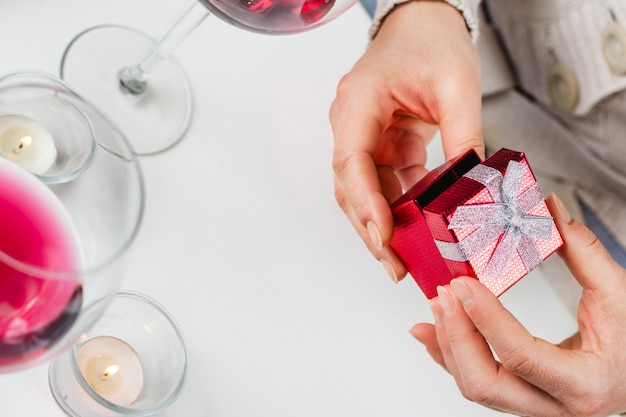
[(507, 216)]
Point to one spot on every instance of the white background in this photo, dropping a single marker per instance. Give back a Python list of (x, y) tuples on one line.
[(284, 311)]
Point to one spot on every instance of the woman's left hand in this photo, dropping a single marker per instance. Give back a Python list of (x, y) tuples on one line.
[(584, 375)]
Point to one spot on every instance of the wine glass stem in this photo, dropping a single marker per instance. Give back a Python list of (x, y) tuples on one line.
[(134, 80)]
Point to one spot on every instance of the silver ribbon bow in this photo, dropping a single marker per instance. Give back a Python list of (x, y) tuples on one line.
[(507, 216)]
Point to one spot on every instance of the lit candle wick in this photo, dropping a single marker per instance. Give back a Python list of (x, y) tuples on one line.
[(111, 368), (109, 371), (25, 141)]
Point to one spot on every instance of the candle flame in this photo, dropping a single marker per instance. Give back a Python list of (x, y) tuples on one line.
[(109, 371), (25, 141)]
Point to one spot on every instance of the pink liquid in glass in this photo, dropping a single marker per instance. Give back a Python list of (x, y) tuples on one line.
[(35, 310), (271, 16)]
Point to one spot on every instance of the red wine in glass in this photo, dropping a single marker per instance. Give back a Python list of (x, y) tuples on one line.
[(271, 16), (37, 306)]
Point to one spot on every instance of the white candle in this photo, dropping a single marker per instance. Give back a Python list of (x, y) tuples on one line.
[(27, 142), (112, 368)]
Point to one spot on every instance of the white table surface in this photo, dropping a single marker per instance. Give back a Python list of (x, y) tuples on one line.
[(284, 311)]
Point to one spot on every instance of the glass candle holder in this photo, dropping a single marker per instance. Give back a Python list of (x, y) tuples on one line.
[(132, 362), (43, 129)]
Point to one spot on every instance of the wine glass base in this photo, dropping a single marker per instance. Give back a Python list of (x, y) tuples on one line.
[(153, 121)]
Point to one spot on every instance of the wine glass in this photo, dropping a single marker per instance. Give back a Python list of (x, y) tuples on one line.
[(71, 205), (104, 64)]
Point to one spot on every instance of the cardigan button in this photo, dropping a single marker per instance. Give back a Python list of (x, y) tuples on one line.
[(562, 88), (614, 47)]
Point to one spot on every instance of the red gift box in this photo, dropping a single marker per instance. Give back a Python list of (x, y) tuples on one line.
[(484, 219)]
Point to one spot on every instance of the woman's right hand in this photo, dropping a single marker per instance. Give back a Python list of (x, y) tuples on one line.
[(420, 73)]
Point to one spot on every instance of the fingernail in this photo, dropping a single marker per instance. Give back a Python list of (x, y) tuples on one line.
[(462, 291), (415, 335), (374, 233), (562, 211), (435, 309), (390, 271), (445, 300)]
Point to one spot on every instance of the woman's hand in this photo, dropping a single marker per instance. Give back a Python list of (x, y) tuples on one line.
[(582, 376), (419, 73)]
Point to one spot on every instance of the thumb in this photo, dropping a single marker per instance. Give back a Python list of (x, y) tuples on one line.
[(462, 131), (461, 122), (585, 256)]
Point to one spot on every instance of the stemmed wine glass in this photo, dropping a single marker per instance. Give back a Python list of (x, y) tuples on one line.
[(71, 205), (104, 64)]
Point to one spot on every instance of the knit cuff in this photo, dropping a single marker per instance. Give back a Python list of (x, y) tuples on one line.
[(469, 9)]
